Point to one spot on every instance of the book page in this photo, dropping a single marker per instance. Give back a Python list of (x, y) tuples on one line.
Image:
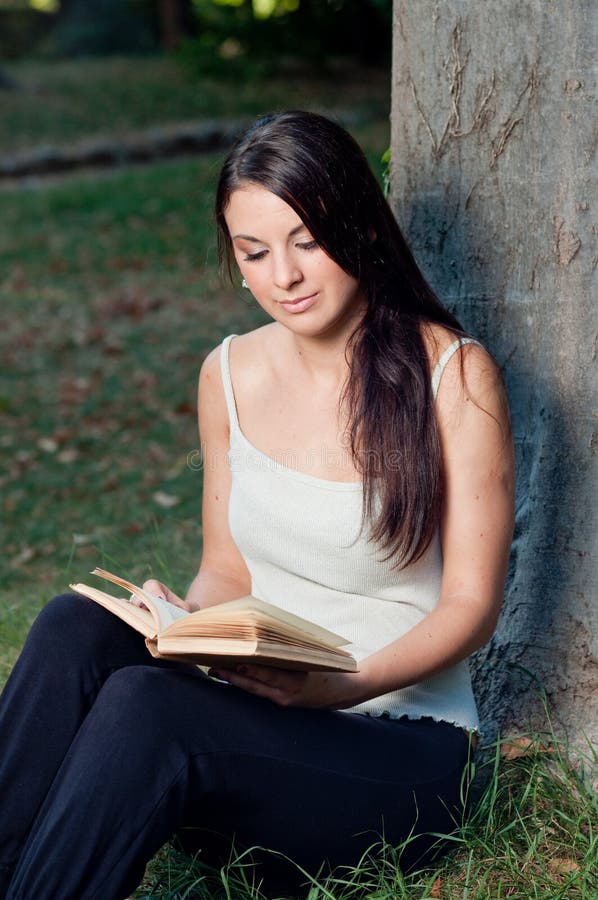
[(141, 620), (231, 651), (163, 612), (247, 609)]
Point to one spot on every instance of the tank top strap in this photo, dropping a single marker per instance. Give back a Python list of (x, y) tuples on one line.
[(444, 359), (228, 383)]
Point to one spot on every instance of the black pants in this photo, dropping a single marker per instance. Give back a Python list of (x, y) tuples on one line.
[(105, 753)]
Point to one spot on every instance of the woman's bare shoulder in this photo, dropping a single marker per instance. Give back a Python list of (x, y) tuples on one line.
[(245, 349), (253, 359), (253, 348), (471, 374), (472, 359), (250, 366), (245, 352), (437, 338)]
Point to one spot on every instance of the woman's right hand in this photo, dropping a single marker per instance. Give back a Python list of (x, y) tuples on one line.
[(152, 586)]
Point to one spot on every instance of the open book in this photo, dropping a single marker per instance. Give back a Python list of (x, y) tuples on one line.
[(244, 630)]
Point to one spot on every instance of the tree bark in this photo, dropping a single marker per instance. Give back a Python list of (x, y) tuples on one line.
[(493, 179), (173, 22), (171, 25)]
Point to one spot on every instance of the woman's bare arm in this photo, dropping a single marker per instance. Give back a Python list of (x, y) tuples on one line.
[(476, 527), (222, 574)]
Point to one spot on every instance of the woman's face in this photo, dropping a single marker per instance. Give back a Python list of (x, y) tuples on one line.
[(290, 276)]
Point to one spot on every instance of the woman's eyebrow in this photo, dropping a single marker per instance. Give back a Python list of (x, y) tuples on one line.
[(249, 237)]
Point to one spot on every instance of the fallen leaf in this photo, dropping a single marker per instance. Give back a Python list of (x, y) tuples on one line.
[(435, 891), (112, 345), (563, 865), (88, 550), (80, 540), (26, 554), (74, 390), (165, 500), (69, 455), (185, 409), (157, 452), (517, 747), (49, 445), (133, 528)]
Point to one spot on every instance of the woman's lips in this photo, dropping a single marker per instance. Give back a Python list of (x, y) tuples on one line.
[(300, 304)]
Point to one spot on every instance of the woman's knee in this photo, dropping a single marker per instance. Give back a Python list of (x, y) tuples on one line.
[(143, 703), (73, 622)]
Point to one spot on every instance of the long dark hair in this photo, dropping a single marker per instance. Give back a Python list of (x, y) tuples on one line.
[(316, 167)]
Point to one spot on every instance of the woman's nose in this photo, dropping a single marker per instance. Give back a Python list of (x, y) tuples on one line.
[(286, 272)]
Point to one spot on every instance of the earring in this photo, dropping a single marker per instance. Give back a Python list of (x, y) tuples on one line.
[(244, 284)]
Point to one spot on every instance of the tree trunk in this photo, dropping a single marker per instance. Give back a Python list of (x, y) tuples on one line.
[(494, 164), (171, 23)]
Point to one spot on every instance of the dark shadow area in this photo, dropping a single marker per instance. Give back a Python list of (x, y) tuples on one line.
[(510, 672)]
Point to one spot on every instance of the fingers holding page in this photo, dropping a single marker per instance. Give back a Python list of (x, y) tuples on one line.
[(135, 601), (158, 589)]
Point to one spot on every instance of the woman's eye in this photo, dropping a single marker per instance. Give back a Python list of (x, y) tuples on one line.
[(251, 257), (308, 245)]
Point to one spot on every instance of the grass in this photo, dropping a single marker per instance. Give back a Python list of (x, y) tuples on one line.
[(66, 102), (111, 301), (533, 836)]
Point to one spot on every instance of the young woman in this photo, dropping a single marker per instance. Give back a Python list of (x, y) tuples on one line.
[(358, 471)]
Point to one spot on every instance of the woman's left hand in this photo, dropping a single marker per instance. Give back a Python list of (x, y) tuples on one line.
[(318, 690)]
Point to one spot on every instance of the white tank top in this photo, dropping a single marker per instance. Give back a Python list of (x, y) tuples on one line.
[(302, 542)]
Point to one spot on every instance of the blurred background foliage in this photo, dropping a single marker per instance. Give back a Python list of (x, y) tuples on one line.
[(109, 284), (229, 35)]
